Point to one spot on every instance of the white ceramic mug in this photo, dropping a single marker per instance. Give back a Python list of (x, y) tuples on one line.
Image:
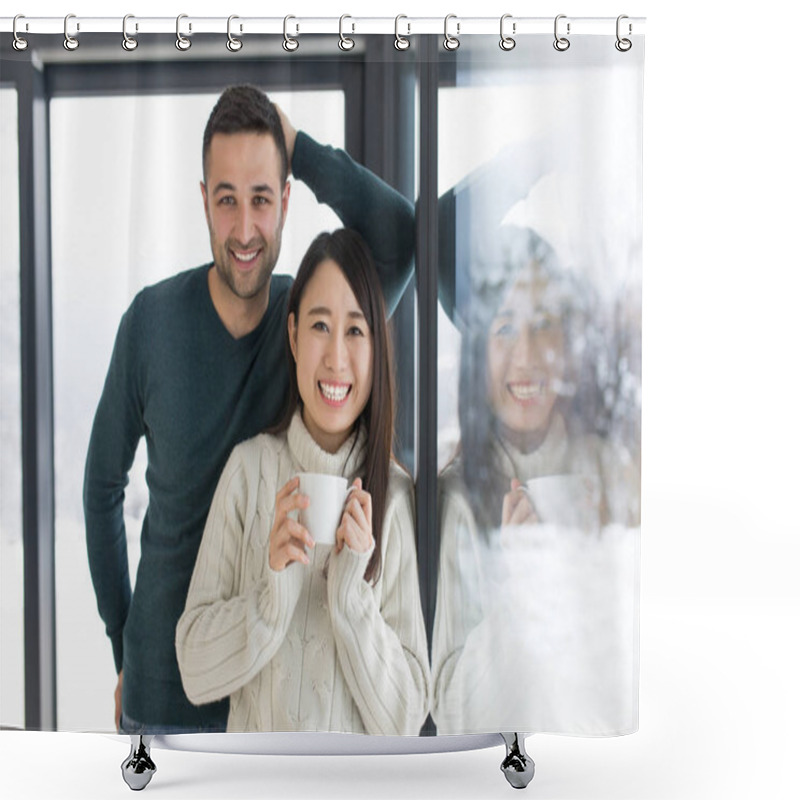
[(571, 501), (327, 495)]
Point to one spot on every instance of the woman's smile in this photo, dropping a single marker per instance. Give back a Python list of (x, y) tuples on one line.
[(334, 394), (332, 346), (528, 392)]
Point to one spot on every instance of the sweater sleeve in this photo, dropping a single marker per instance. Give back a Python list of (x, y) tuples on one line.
[(470, 632), (476, 206), (379, 631), (362, 201), (118, 426), (229, 632)]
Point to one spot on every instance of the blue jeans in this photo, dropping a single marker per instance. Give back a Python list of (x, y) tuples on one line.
[(131, 726)]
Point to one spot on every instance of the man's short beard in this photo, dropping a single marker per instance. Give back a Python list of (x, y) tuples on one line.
[(227, 271)]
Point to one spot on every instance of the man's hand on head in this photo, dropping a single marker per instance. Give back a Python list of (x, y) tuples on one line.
[(289, 133)]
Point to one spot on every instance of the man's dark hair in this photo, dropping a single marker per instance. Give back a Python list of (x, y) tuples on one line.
[(246, 109)]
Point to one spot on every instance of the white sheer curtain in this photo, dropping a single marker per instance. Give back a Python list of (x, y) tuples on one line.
[(127, 212)]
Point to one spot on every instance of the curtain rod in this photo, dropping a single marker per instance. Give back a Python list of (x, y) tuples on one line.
[(75, 25)]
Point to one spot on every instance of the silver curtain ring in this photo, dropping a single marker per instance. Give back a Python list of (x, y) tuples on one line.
[(129, 43), (181, 42), (451, 42), (623, 45), (19, 43), (507, 42), (561, 43), (233, 44), (345, 42), (400, 42), (289, 44), (70, 42)]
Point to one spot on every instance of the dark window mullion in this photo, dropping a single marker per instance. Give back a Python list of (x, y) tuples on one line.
[(427, 284), (35, 89), (36, 355)]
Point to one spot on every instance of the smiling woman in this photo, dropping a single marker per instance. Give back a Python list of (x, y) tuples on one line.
[(355, 604), (334, 375), (525, 358), (539, 514), (539, 379)]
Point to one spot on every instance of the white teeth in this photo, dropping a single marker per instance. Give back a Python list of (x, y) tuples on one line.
[(337, 393), (527, 391), (246, 256)]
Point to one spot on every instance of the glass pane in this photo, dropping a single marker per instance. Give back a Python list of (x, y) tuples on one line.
[(539, 392), (12, 668), (127, 212)]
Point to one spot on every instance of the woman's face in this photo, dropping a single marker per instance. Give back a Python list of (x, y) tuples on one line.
[(332, 347), (525, 358)]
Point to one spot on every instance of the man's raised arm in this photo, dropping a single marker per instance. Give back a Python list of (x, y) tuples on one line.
[(362, 201)]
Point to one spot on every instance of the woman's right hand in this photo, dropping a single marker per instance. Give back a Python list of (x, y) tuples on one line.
[(288, 538), (517, 506)]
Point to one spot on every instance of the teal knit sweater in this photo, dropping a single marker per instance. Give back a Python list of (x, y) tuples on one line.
[(179, 379)]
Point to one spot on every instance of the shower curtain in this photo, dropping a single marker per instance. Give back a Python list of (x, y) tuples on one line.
[(517, 343)]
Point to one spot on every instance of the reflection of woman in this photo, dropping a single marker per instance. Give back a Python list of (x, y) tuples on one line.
[(306, 637), (535, 515)]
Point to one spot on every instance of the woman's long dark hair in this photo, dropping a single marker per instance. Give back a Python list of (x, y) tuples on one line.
[(350, 253)]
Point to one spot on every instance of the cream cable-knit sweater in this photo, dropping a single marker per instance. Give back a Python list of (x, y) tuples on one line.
[(541, 635), (302, 649)]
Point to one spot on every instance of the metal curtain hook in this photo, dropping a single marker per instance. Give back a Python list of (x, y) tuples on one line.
[(128, 42), (451, 42), (289, 44), (70, 42), (182, 43), (233, 44), (507, 42), (345, 42), (19, 43), (400, 42), (561, 43), (623, 45)]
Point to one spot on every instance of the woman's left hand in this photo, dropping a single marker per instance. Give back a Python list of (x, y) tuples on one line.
[(355, 529)]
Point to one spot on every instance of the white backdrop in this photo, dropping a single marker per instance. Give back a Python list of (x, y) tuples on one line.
[(720, 607)]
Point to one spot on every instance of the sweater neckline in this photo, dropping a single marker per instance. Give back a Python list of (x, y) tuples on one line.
[(549, 458), (347, 461), (211, 309)]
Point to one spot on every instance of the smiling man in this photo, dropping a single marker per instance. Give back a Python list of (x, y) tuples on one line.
[(246, 198), (198, 366)]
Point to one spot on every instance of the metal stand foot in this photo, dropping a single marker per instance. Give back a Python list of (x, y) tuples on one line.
[(517, 766), (138, 768)]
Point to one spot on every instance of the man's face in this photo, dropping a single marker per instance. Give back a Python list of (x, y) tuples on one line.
[(245, 203)]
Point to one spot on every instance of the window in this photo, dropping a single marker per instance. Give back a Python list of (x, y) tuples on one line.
[(12, 668), (127, 212)]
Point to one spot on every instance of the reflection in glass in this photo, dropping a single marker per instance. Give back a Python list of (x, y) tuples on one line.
[(534, 607), (536, 614)]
